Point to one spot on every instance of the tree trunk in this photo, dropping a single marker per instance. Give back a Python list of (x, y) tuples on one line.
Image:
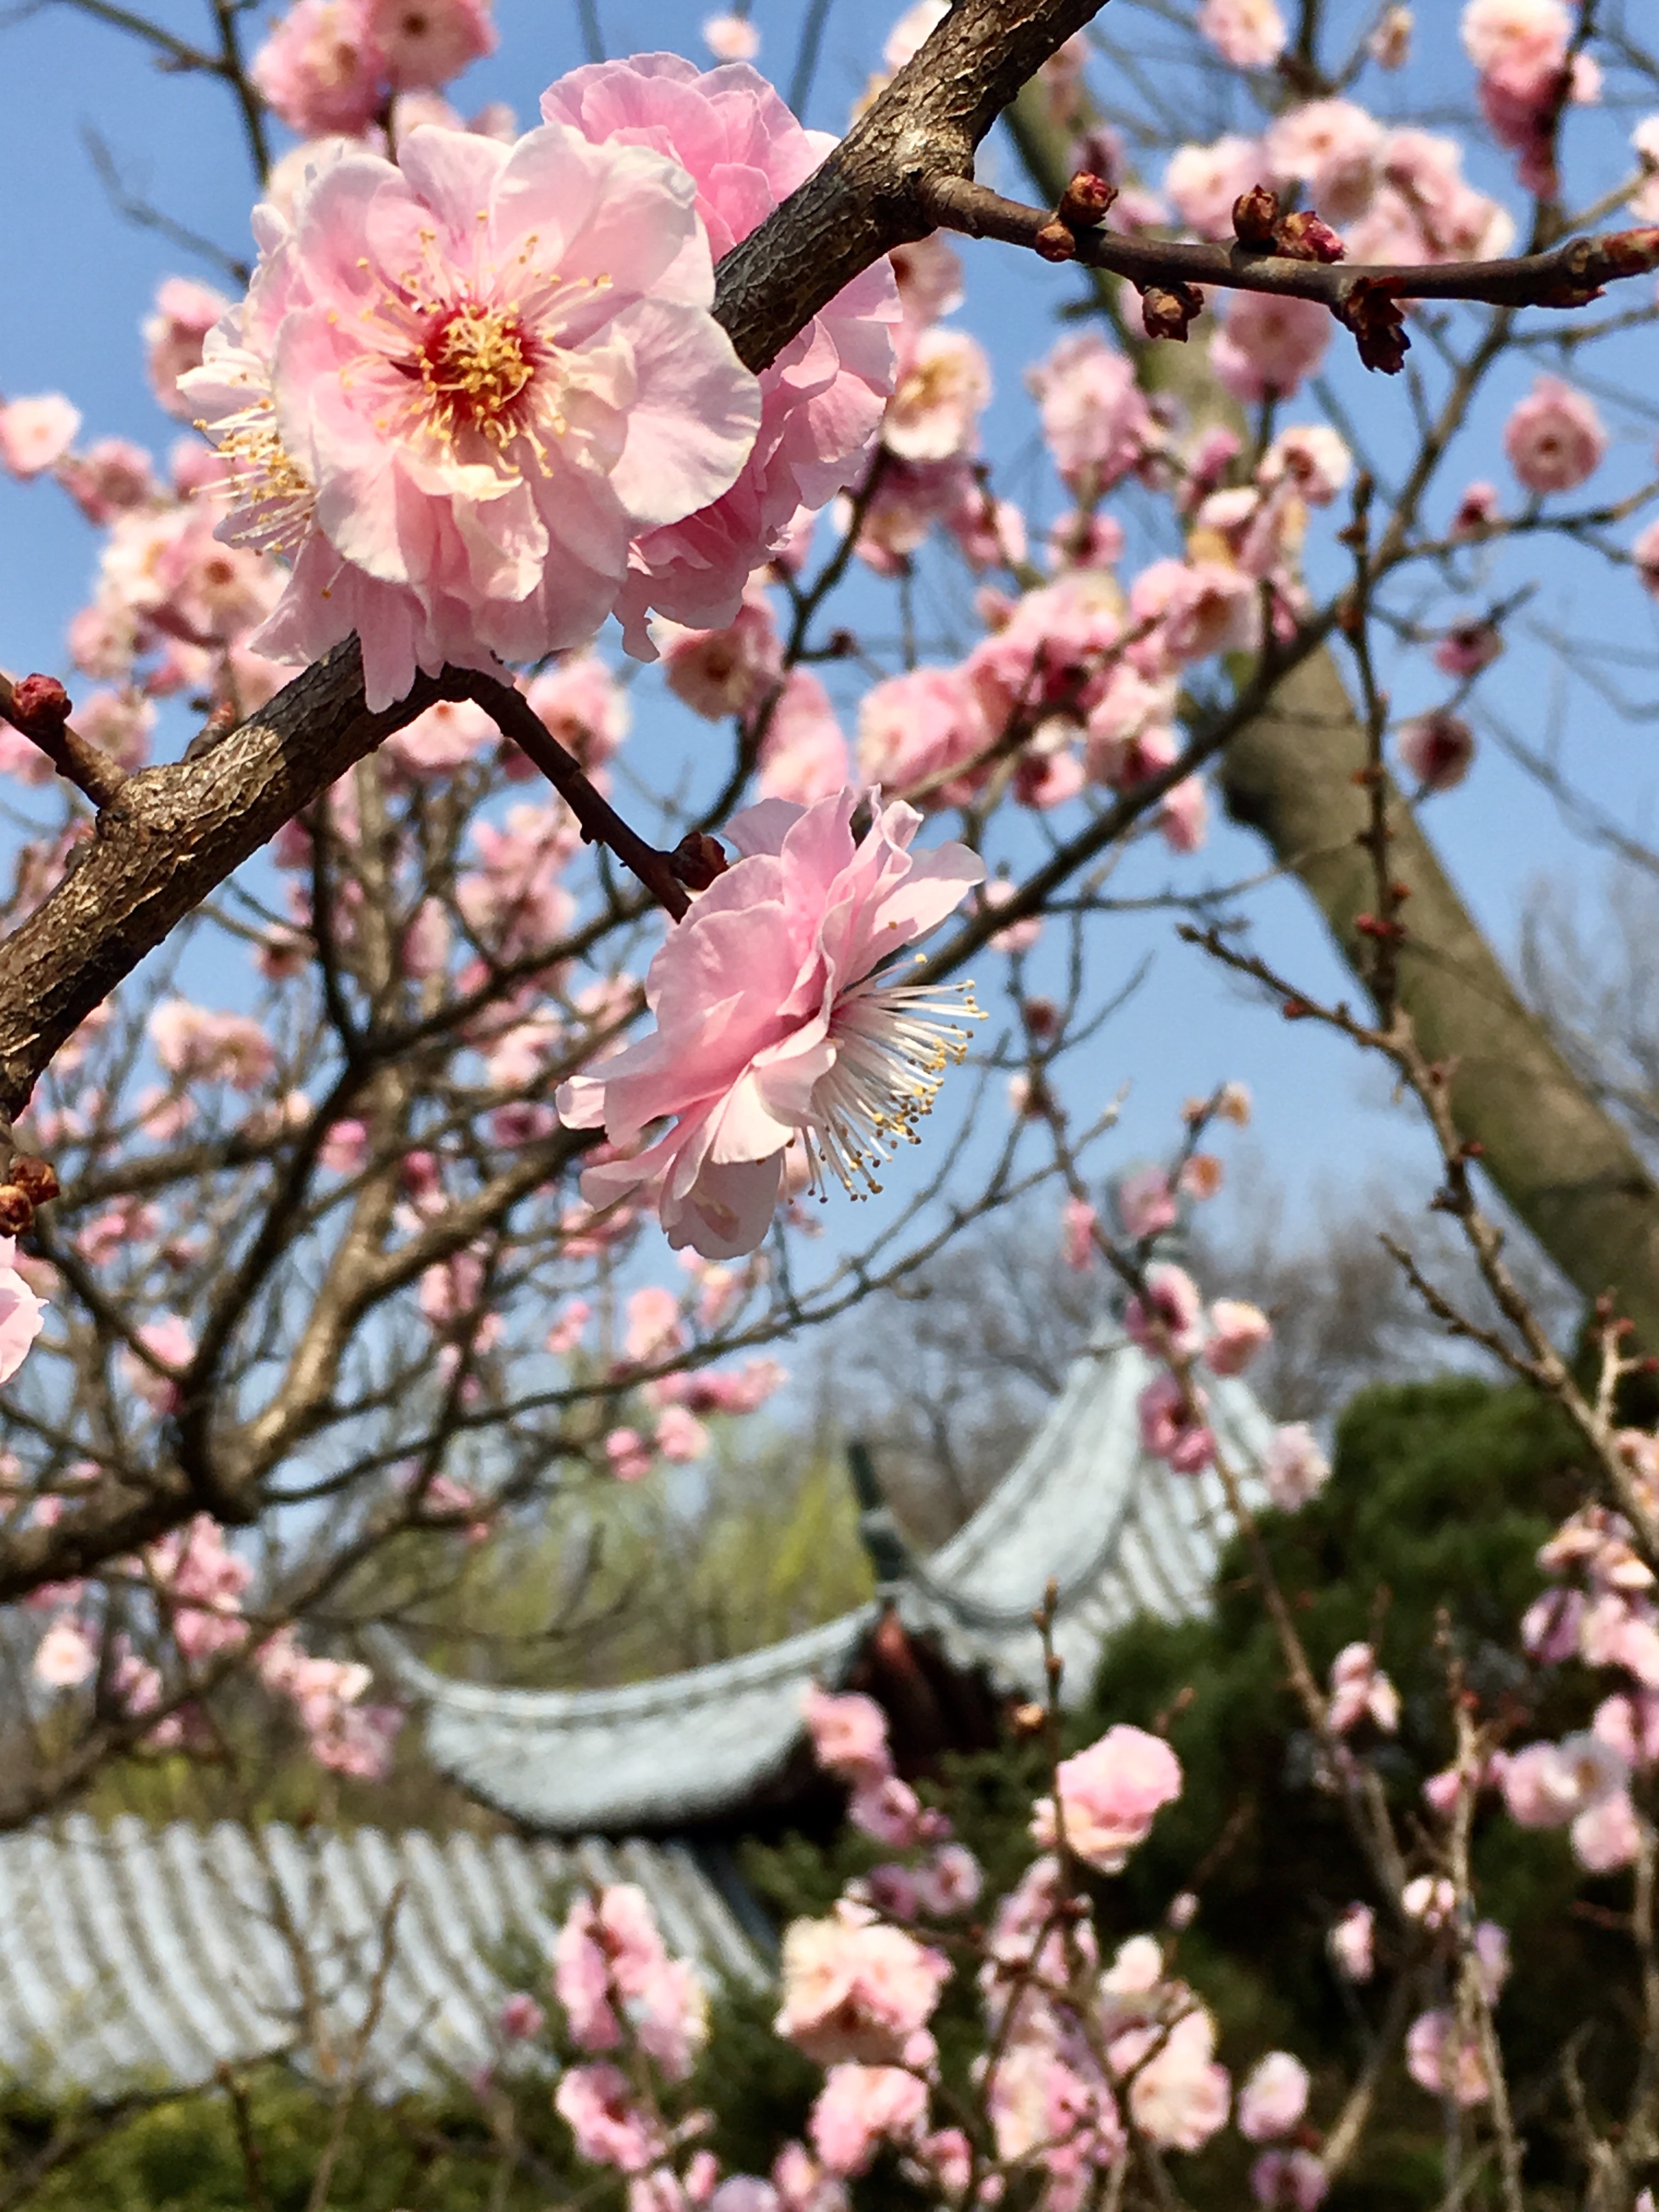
[(1567, 1168)]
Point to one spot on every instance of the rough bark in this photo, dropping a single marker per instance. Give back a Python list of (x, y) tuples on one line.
[(1568, 1170)]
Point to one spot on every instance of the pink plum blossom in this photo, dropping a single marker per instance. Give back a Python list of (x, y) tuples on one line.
[(110, 477), (22, 1314), (424, 43), (1179, 2097), (1349, 1943), (1194, 608), (1438, 748), (1184, 815), (399, 369), (1172, 1423), (854, 1988), (1167, 1320), (1313, 457), (918, 732), (731, 38), (1109, 1795), (1468, 647), (1272, 2097), (184, 313), (597, 2103), (728, 670), (1443, 2061), (803, 755), (584, 706), (821, 398), (1293, 2179), (1607, 1835), (849, 1735), (1238, 1332), (1430, 1899), (1545, 1785), (1204, 181), (318, 69), (773, 1018), (66, 1657), (441, 742), (859, 2108), (1078, 1221), (1360, 1691), (943, 386), (169, 1341), (1336, 149), (1269, 344), (628, 1455), (887, 1809), (1145, 1205), (1293, 1467), (521, 2018), (1095, 420), (1554, 438), (1249, 33), (35, 433)]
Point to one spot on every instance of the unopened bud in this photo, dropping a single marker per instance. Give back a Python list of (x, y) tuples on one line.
[(39, 705), (1056, 242), (1255, 216), (1029, 1719), (1305, 236), (698, 859), (36, 1178), (16, 1210), (1085, 199), (1166, 310)]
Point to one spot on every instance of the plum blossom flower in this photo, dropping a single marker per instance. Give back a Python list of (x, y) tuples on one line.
[(22, 1314), (1350, 1944), (944, 386), (1109, 1795), (1554, 438), (597, 2104), (731, 38), (1172, 1423), (1334, 148), (1249, 33), (1179, 2097), (1436, 749), (1608, 1834), (1204, 181), (1443, 2060), (859, 2107), (1168, 1320), (35, 433), (174, 330), (849, 1735), (1545, 1785), (854, 1988), (1360, 1690), (1095, 420), (1293, 2179), (1238, 1332), (1268, 344), (1313, 457), (821, 399), (1293, 1467), (725, 671), (1272, 2097), (65, 1655), (521, 2018), (454, 427), (775, 1017), (916, 729)]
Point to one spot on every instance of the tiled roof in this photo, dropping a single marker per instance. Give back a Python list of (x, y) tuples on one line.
[(1084, 1506), (132, 1955)]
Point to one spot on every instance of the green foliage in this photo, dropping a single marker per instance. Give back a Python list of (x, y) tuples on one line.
[(184, 2155)]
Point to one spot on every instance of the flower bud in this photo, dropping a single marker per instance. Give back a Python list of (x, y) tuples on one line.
[(1255, 213), (16, 1210)]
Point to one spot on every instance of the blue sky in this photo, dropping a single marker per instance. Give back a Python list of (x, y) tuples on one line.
[(78, 280)]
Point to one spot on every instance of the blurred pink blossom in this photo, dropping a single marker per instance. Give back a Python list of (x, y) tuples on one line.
[(36, 433), (859, 2108), (1109, 1795), (1272, 2097), (854, 1988)]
